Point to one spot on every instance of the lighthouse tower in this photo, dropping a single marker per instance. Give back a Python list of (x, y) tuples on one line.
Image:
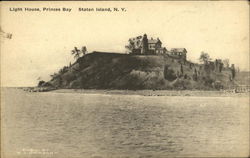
[(144, 49)]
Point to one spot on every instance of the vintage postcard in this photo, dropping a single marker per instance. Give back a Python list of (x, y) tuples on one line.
[(125, 79)]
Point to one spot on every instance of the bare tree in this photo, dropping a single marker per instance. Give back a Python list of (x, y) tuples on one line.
[(84, 50), (226, 63), (76, 53)]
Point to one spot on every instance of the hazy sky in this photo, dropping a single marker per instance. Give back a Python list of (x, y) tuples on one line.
[(42, 41)]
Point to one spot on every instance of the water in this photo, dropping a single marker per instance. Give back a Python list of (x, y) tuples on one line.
[(67, 125)]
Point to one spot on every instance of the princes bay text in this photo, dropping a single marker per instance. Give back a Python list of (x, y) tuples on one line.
[(44, 9)]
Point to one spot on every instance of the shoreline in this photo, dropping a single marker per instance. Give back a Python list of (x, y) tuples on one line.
[(185, 93)]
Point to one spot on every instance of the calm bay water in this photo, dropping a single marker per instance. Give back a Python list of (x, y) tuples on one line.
[(65, 125)]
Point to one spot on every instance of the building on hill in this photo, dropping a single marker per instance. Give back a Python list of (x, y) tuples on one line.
[(154, 46), (143, 45), (180, 53)]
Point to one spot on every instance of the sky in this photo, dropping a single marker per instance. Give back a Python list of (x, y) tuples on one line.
[(41, 42)]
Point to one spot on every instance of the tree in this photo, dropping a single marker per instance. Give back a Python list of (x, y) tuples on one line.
[(131, 46), (185, 76), (190, 65), (220, 67), (195, 75), (53, 76), (182, 70), (207, 69), (84, 50), (216, 65), (178, 74), (63, 70), (76, 53), (204, 57), (233, 71)]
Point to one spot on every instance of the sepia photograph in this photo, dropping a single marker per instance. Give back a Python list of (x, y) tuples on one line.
[(124, 79)]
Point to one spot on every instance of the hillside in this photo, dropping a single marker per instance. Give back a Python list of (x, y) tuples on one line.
[(99, 70), (243, 78)]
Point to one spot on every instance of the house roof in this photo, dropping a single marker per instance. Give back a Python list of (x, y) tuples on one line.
[(178, 50), (153, 41)]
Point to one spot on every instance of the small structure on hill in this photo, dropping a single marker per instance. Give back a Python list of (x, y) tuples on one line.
[(143, 45), (178, 53)]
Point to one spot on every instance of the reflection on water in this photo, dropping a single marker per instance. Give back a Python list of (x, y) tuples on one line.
[(88, 125)]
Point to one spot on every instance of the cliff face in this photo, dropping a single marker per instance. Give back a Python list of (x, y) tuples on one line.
[(99, 70)]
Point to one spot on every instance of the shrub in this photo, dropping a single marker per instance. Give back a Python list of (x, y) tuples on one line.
[(169, 74), (208, 81), (217, 85), (181, 84), (40, 83)]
